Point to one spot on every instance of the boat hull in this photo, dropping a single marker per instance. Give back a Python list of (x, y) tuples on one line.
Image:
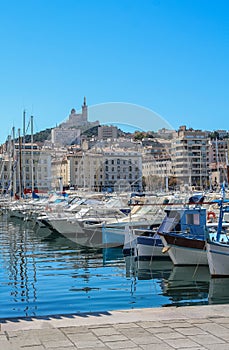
[(218, 259), (150, 248), (185, 251)]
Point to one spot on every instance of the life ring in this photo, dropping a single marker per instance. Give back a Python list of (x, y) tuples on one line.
[(211, 215)]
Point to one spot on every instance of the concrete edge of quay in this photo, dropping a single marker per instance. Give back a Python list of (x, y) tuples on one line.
[(172, 313)]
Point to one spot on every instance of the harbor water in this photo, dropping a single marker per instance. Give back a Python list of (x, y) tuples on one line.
[(44, 273)]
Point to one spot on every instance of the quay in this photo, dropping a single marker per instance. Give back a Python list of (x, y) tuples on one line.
[(189, 327)]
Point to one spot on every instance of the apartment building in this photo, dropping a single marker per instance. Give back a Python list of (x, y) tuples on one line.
[(105, 169), (5, 173), (84, 170), (122, 170), (107, 132), (189, 154), (35, 167), (157, 172), (218, 161), (29, 169), (64, 136), (156, 163), (60, 174)]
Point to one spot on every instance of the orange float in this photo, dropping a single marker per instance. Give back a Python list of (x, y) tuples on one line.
[(211, 215)]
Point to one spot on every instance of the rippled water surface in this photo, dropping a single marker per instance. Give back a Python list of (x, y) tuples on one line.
[(43, 273)]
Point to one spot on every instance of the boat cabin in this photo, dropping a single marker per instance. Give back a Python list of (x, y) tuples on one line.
[(186, 221)]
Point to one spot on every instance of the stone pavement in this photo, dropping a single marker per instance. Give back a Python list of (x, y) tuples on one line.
[(192, 328)]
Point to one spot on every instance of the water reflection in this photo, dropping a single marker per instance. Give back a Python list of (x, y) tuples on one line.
[(43, 273), (188, 285), (147, 269), (219, 291)]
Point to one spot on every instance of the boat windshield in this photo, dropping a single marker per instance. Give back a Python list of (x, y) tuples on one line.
[(170, 222)]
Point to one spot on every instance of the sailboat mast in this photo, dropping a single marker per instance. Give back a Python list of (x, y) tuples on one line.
[(32, 172), (14, 164), (10, 164), (20, 163), (217, 159), (23, 154)]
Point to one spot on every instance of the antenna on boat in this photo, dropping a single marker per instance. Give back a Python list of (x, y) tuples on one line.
[(220, 223)]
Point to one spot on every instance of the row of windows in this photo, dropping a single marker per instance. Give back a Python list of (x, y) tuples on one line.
[(112, 161), (109, 168), (120, 161), (130, 168), (130, 176), (35, 161)]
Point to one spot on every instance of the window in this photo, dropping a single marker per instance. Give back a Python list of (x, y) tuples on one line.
[(193, 219)]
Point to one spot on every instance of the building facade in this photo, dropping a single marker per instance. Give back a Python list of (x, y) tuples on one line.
[(189, 154), (218, 161), (29, 169), (107, 132)]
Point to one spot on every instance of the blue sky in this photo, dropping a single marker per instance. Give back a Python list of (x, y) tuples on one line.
[(169, 56)]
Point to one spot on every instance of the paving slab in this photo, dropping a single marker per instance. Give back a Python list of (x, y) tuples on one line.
[(192, 327)]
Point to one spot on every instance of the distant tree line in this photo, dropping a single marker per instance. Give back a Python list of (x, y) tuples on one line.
[(44, 135)]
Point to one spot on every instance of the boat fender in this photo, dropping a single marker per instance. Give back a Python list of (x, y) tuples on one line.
[(165, 249)]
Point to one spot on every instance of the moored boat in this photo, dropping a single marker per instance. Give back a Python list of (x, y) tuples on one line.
[(183, 233), (218, 250)]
